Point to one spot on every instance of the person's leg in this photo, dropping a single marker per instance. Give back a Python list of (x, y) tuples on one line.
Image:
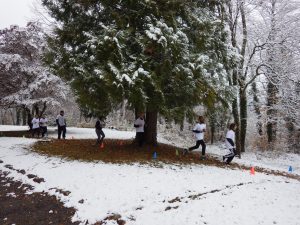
[(64, 129), (59, 132), (43, 131), (102, 135), (196, 146), (38, 130), (98, 137), (229, 156), (229, 159), (203, 147), (140, 138)]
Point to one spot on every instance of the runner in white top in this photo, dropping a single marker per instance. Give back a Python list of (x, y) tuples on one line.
[(35, 126), (199, 131), (139, 126), (230, 137), (43, 125)]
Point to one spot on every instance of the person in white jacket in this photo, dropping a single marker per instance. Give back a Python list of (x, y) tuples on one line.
[(229, 141), (199, 131), (139, 126), (35, 126)]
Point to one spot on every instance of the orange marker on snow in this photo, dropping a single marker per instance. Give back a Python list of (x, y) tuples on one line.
[(252, 171)]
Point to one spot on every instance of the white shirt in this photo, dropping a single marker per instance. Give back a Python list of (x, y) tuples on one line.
[(200, 127), (141, 123), (43, 122), (61, 120), (230, 134), (35, 123)]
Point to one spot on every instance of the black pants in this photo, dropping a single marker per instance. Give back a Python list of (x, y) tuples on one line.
[(198, 143), (44, 131), (100, 135), (230, 156), (140, 138), (62, 130), (36, 131)]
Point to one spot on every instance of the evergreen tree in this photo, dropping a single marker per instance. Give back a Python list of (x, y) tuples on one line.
[(162, 56)]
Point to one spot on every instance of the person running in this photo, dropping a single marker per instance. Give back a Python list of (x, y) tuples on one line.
[(199, 131), (98, 126), (61, 125), (43, 125), (35, 126), (230, 137), (139, 127)]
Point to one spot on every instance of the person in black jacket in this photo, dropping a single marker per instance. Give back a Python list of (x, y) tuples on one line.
[(98, 128)]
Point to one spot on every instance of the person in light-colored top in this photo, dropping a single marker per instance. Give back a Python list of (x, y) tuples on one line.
[(230, 138), (139, 127), (35, 126), (43, 125), (199, 131), (61, 125)]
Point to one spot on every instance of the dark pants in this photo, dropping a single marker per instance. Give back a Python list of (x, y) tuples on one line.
[(44, 131), (140, 138), (230, 156), (198, 143), (63, 130), (100, 135), (36, 131)]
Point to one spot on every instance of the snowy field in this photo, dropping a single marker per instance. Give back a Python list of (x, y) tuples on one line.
[(166, 195)]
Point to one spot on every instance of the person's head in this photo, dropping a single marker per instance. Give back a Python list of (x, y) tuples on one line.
[(36, 116), (62, 113), (141, 114), (232, 126), (201, 119)]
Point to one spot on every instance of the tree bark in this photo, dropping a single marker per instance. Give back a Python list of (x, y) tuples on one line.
[(151, 127), (243, 119)]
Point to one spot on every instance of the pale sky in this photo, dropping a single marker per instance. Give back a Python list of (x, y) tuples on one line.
[(17, 12)]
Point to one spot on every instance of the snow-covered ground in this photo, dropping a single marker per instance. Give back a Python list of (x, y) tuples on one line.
[(141, 193)]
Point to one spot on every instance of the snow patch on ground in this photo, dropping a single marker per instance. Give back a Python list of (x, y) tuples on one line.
[(168, 194)]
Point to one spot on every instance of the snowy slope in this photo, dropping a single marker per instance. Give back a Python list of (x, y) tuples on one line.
[(141, 194)]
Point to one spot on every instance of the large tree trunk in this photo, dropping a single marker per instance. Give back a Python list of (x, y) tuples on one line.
[(151, 128), (24, 115), (18, 116), (272, 112), (243, 118)]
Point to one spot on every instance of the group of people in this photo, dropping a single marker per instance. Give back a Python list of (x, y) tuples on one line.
[(39, 126), (199, 130)]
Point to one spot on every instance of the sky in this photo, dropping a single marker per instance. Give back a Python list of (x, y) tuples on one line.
[(17, 12)]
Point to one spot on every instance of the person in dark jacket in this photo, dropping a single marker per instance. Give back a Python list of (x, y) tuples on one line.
[(61, 125), (98, 128), (230, 137)]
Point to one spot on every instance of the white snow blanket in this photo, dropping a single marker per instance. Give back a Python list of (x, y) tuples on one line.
[(144, 195)]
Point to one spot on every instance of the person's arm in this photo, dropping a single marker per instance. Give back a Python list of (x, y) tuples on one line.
[(136, 124), (57, 121), (196, 129), (230, 141)]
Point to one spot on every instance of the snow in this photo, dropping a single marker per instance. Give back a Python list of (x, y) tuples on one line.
[(141, 193)]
